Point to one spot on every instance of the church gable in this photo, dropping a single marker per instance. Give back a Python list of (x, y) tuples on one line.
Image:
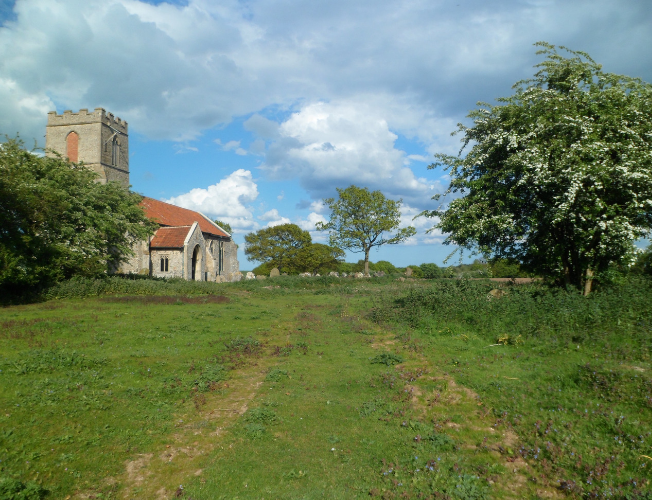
[(170, 215), (170, 237)]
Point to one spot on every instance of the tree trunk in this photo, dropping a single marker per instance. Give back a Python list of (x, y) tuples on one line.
[(366, 261), (567, 271), (588, 283)]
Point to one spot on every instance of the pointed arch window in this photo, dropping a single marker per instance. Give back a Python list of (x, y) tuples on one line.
[(115, 151), (72, 147)]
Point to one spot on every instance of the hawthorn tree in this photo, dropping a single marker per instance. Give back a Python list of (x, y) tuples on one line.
[(56, 221), (559, 175), (359, 220)]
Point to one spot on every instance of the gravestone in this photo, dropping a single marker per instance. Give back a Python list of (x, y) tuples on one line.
[(274, 272)]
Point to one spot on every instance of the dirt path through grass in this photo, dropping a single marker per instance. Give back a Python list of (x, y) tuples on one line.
[(162, 473)]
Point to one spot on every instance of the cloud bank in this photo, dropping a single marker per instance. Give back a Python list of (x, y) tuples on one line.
[(177, 70)]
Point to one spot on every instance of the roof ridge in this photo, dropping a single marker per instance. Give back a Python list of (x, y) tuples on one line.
[(170, 215), (213, 223)]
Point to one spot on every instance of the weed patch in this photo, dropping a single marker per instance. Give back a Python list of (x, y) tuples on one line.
[(12, 489), (209, 377), (245, 346), (387, 358)]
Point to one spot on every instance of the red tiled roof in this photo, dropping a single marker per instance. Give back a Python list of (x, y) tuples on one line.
[(171, 215), (170, 237)]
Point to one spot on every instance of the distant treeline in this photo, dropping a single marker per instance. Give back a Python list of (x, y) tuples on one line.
[(494, 268), (499, 268)]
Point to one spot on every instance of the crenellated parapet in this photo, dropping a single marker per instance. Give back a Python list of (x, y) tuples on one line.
[(83, 117)]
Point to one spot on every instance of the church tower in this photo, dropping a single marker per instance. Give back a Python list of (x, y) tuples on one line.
[(98, 139)]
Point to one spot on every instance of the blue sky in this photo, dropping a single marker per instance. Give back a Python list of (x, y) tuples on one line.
[(254, 111)]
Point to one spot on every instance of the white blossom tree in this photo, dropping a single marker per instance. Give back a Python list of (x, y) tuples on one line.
[(559, 175)]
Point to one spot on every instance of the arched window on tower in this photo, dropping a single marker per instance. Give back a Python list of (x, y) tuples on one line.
[(115, 151), (72, 147)]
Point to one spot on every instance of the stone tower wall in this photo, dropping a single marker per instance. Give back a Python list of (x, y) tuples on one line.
[(97, 131)]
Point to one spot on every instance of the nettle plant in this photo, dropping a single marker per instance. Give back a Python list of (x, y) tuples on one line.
[(558, 175)]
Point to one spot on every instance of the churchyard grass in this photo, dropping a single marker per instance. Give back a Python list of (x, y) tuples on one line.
[(327, 388)]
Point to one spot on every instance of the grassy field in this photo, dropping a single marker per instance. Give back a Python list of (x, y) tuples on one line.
[(327, 388)]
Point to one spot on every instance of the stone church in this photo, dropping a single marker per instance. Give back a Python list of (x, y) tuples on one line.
[(187, 244)]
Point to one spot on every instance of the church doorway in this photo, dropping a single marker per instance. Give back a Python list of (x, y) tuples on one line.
[(196, 263)]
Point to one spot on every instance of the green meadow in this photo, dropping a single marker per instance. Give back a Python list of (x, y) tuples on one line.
[(302, 388)]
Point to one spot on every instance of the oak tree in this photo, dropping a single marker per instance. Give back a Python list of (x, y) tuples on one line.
[(277, 245)]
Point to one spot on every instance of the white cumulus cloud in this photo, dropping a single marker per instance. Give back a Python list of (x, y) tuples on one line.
[(278, 222), (328, 145), (312, 220), (273, 218), (227, 200)]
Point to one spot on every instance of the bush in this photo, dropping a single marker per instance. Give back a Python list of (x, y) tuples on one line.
[(384, 266), (431, 271), (416, 271), (263, 269), (506, 268), (112, 285), (358, 267), (536, 312)]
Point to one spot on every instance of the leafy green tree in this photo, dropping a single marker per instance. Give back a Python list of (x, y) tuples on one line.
[(263, 269), (559, 175), (224, 225), (506, 268), (431, 271), (416, 271), (318, 258), (346, 267), (384, 266), (278, 245), (359, 218), (56, 221), (643, 264)]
